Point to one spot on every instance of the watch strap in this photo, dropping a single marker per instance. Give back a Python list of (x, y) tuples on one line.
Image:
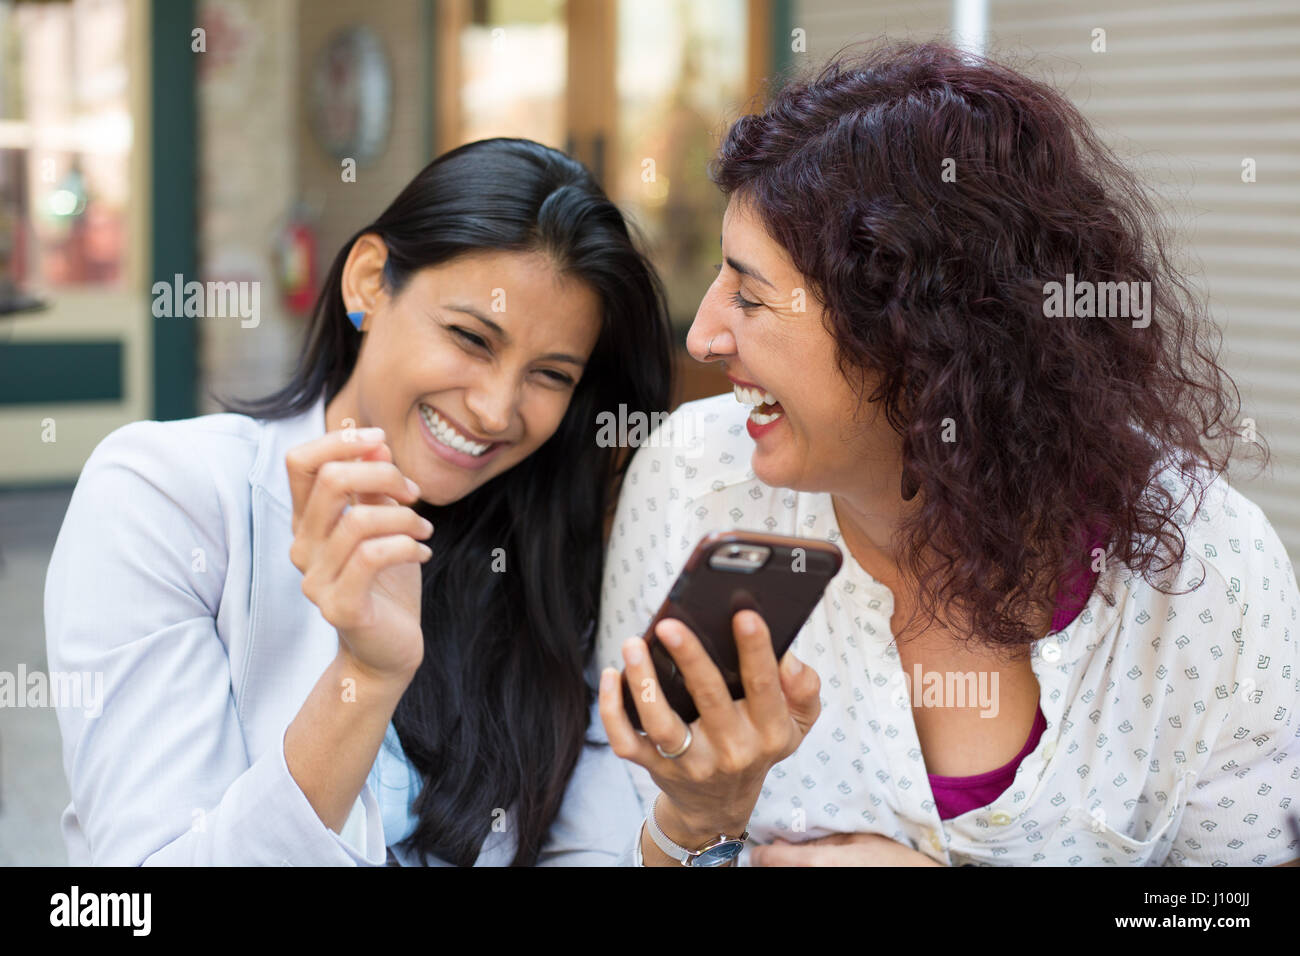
[(674, 850)]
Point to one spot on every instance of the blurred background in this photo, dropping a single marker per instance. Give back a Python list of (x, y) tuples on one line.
[(212, 139)]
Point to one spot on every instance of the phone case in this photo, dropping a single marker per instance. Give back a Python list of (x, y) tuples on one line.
[(784, 591)]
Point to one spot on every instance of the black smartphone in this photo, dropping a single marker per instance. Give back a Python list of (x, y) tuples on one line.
[(781, 578)]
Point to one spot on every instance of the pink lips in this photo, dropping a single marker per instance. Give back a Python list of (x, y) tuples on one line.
[(757, 431)]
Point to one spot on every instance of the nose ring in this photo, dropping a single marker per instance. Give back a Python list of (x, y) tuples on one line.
[(709, 354)]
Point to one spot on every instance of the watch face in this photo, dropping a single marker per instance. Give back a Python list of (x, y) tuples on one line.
[(719, 855)]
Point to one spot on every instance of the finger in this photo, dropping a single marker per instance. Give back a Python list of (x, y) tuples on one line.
[(369, 558), (623, 737), (759, 672), (802, 689), (718, 713), (661, 723), (357, 524), (379, 453), (303, 461), (337, 482)]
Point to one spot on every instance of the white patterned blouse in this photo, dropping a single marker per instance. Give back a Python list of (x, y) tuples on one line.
[(1172, 731)]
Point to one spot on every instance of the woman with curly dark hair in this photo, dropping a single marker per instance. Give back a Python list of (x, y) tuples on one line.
[(1059, 636)]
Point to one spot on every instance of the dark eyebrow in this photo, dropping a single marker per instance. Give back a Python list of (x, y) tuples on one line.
[(505, 337), (748, 271)]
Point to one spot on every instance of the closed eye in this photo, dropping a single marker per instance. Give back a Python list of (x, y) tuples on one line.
[(557, 376), (469, 336), (737, 299)]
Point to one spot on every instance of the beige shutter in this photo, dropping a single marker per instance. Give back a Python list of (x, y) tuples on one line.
[(1187, 90)]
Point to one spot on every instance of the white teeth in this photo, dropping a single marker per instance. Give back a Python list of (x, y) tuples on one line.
[(758, 418), (448, 435), (752, 396)]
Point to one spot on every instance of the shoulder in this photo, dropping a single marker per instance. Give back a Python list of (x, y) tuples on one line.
[(156, 507), (1232, 546), (198, 465), (1232, 619), (183, 447), (701, 447)]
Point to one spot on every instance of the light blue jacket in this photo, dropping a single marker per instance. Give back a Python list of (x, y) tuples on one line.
[(171, 578)]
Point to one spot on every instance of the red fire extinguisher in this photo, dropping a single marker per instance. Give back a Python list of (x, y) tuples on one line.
[(297, 257)]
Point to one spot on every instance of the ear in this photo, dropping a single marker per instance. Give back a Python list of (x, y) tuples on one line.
[(363, 276)]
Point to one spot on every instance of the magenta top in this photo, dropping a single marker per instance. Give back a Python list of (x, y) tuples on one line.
[(955, 795)]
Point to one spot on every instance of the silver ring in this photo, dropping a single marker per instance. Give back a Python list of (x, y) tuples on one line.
[(680, 750), (709, 353)]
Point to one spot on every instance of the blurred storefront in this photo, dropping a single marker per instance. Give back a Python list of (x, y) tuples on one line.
[(75, 329), (240, 142)]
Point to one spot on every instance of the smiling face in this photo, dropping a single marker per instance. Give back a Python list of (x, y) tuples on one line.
[(769, 331), (470, 368)]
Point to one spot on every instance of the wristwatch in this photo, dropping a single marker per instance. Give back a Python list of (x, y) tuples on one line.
[(717, 852)]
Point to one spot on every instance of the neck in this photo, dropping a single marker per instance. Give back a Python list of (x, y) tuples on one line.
[(868, 520)]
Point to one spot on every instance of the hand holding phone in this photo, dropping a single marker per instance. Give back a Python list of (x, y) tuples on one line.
[(737, 733), (780, 578)]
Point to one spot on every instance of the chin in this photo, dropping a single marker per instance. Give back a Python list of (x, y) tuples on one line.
[(777, 473), (769, 472), (442, 489), (439, 500)]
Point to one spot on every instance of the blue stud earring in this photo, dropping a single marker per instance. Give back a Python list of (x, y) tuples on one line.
[(357, 318)]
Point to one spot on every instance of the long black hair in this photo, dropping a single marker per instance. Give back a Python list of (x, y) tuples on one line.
[(496, 715)]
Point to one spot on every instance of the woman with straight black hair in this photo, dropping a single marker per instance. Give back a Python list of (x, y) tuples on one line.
[(296, 670)]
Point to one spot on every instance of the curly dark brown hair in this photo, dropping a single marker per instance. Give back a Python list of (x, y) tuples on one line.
[(928, 196)]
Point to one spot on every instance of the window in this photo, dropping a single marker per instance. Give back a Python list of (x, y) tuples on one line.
[(65, 145)]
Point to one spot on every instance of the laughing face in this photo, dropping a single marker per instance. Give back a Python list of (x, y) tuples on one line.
[(470, 368), (762, 321)]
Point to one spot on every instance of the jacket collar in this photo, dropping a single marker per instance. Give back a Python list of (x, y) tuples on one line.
[(278, 436)]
